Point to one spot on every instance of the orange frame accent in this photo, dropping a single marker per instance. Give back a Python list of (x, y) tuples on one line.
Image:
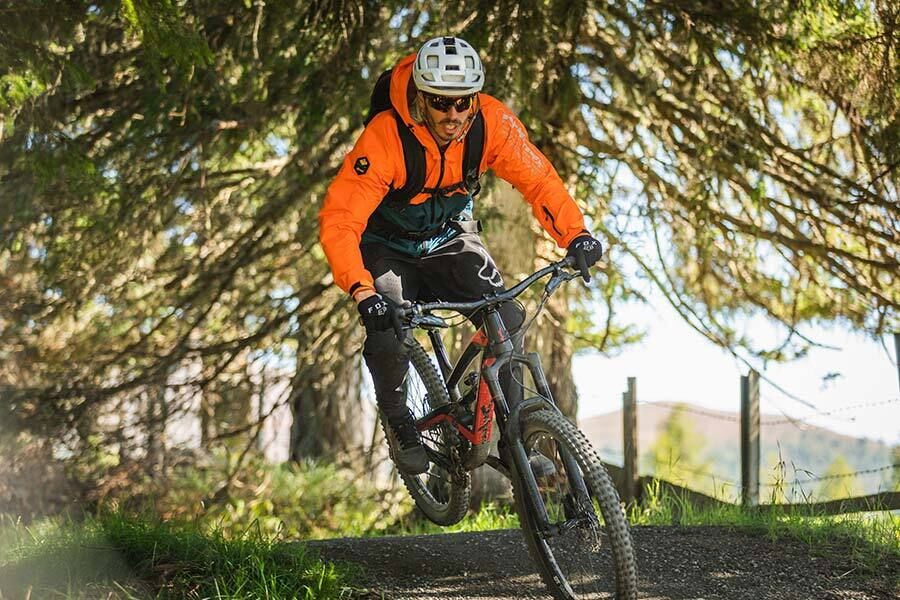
[(484, 412)]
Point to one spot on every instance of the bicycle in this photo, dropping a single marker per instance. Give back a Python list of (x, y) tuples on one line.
[(558, 509)]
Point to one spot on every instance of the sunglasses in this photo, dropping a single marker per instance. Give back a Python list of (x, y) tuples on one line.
[(443, 103)]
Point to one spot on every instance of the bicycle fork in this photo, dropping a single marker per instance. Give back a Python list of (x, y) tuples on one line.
[(510, 421)]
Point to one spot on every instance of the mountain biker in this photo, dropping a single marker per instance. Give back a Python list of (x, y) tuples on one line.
[(384, 253)]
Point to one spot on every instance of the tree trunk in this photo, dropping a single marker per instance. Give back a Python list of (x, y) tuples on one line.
[(327, 409), (514, 239), (549, 338), (156, 418), (330, 418)]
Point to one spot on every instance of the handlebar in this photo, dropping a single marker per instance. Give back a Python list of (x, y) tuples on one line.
[(417, 313)]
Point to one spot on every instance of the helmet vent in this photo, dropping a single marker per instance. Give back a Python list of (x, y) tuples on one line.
[(448, 66)]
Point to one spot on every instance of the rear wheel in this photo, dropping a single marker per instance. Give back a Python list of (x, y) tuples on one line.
[(587, 551), (442, 493)]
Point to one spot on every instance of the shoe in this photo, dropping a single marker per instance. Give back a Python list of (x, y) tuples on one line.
[(408, 453), (541, 466)]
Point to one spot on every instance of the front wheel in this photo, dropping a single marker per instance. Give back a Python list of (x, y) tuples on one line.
[(580, 549)]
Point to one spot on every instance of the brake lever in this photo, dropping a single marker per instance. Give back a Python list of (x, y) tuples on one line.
[(429, 321), (558, 279)]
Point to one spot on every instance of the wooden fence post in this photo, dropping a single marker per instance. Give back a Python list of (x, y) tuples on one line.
[(629, 428), (750, 439), (897, 354)]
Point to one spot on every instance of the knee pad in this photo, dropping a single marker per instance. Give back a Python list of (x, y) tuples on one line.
[(386, 360)]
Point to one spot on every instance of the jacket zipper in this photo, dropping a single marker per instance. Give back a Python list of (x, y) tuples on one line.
[(552, 221), (437, 186)]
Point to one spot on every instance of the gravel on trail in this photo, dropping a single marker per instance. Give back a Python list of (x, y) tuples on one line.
[(674, 563)]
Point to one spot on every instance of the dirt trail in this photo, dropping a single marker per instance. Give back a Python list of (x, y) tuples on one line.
[(674, 563)]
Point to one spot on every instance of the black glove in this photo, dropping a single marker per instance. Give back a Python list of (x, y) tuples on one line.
[(587, 251), (377, 313)]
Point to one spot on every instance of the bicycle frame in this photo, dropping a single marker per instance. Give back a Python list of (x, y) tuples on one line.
[(496, 348), (486, 396)]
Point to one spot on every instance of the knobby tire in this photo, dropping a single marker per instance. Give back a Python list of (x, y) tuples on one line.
[(593, 546), (442, 497)]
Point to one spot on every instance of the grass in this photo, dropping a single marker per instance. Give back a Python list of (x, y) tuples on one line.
[(238, 549), (114, 556), (128, 557), (489, 517), (308, 500), (870, 541)]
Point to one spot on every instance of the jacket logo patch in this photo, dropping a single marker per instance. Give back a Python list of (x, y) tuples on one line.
[(361, 165)]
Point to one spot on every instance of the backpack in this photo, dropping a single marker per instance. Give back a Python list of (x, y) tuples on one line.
[(414, 153)]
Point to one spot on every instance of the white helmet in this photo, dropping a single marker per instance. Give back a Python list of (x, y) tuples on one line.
[(448, 66)]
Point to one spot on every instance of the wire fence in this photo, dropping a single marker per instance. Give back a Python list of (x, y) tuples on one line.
[(882, 478), (828, 413), (720, 479), (864, 472), (765, 422)]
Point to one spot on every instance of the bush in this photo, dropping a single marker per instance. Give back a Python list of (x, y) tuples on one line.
[(310, 500)]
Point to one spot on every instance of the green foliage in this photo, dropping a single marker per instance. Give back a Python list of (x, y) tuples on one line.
[(165, 32), (16, 89), (310, 500), (677, 453), (489, 516), (162, 163), (842, 485), (148, 219), (124, 556)]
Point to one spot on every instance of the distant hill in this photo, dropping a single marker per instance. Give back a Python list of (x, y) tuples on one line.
[(805, 450)]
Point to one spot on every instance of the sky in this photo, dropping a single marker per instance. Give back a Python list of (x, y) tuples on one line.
[(675, 363)]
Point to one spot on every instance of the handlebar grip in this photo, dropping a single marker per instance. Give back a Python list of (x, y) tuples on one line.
[(404, 312)]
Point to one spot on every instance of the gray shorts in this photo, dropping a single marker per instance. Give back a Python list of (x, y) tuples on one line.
[(460, 270)]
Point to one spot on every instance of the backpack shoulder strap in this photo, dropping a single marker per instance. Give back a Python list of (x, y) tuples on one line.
[(381, 96), (414, 159), (472, 153)]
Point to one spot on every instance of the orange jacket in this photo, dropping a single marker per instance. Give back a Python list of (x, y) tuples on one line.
[(356, 192)]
